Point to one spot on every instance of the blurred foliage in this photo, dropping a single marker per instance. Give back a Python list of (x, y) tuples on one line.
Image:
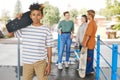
[(118, 18), (116, 27), (112, 8), (18, 8), (83, 11), (51, 15), (5, 16), (73, 13)]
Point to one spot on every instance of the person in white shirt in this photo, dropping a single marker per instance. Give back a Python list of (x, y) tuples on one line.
[(81, 30)]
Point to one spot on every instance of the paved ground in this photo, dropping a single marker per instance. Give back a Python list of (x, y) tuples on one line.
[(10, 73), (8, 63)]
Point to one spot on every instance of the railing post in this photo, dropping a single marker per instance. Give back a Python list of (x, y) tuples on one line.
[(58, 45), (18, 67), (98, 59), (114, 61)]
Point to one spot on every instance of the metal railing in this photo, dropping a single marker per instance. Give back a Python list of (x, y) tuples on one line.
[(18, 67), (113, 67)]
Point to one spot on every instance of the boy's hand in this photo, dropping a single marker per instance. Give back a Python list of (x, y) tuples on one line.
[(71, 36), (11, 34), (59, 31), (48, 69), (19, 16)]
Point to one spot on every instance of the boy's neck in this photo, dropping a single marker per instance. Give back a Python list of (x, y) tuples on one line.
[(91, 19), (66, 19), (37, 24)]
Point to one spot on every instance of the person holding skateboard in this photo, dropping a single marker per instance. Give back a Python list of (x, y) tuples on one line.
[(81, 31), (66, 28), (37, 44), (89, 40), (83, 51)]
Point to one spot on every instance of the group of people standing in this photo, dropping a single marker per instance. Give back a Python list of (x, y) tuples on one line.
[(85, 38), (37, 42)]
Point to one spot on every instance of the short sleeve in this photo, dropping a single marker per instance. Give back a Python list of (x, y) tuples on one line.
[(49, 39), (89, 30), (59, 25), (18, 33), (72, 26)]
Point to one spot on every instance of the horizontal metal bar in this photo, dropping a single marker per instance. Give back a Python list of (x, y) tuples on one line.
[(103, 74), (106, 61), (106, 44)]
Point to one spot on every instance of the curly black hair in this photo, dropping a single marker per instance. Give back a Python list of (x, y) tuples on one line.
[(36, 6)]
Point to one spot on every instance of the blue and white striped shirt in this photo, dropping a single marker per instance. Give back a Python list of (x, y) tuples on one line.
[(35, 41)]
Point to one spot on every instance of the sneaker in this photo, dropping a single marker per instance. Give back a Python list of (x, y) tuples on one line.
[(66, 64), (91, 73), (60, 66)]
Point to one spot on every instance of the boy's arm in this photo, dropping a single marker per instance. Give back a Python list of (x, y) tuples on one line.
[(72, 30), (72, 27), (86, 40), (49, 45), (59, 28), (87, 35), (49, 54)]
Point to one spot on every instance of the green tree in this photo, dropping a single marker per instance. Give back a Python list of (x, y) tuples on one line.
[(5, 16), (106, 12), (18, 8), (82, 11), (4, 19), (116, 27), (51, 15), (112, 8), (116, 7), (108, 3), (73, 13)]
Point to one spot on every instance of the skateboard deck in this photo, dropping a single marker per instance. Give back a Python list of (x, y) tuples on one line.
[(19, 23), (82, 62)]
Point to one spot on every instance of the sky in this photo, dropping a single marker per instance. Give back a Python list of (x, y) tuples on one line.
[(63, 5)]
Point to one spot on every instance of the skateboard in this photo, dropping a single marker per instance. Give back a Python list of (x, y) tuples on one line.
[(16, 23), (82, 62)]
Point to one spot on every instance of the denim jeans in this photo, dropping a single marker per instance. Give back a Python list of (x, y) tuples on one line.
[(65, 42), (90, 58), (80, 47)]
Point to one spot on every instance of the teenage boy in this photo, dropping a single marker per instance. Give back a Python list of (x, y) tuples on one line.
[(89, 40), (37, 46), (66, 28)]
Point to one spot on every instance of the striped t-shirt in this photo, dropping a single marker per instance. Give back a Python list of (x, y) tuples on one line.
[(35, 41)]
